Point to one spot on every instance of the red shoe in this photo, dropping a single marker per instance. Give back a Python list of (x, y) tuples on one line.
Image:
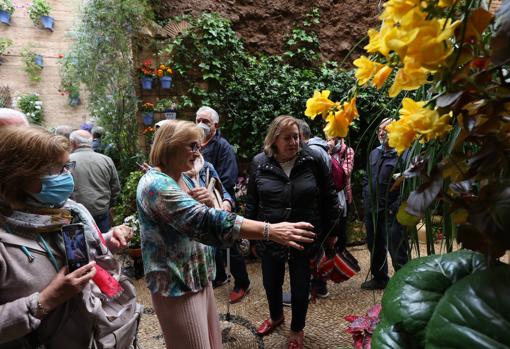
[(296, 340), (237, 294), (269, 326)]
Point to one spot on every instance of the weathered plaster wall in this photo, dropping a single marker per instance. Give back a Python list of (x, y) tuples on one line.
[(49, 45)]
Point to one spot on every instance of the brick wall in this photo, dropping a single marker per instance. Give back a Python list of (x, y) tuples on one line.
[(49, 45)]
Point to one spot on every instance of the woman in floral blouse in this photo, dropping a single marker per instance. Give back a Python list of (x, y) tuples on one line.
[(178, 230)]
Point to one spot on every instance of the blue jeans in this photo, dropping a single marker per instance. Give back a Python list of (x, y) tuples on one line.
[(387, 236), (103, 222)]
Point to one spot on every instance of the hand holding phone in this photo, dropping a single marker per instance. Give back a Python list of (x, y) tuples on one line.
[(75, 244)]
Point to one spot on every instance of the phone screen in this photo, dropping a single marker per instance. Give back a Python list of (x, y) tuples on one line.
[(75, 246)]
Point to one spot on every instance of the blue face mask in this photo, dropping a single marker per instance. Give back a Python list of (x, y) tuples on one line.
[(56, 189)]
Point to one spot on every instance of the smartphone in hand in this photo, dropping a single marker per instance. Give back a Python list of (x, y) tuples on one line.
[(77, 254)]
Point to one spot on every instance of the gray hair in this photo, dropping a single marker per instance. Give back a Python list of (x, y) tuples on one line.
[(12, 117), (305, 129), (63, 130), (97, 131), (81, 138), (214, 114)]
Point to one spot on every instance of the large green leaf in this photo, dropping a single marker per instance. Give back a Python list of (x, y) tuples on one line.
[(414, 291), (473, 313), (388, 336)]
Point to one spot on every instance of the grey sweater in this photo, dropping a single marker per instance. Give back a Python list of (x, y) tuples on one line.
[(96, 183)]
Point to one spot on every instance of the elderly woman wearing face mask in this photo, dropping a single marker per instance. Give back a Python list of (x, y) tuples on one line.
[(178, 232), (289, 182), (42, 304)]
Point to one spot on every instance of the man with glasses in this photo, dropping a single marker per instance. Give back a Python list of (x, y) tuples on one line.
[(96, 183), (218, 151)]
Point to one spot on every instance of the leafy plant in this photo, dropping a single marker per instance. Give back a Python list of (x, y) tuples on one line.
[(32, 69), (4, 44), (7, 6), (133, 223), (101, 59), (165, 104), (37, 9), (31, 105), (302, 44), (127, 201)]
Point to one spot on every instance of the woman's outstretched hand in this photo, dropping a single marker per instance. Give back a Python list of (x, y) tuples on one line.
[(292, 234)]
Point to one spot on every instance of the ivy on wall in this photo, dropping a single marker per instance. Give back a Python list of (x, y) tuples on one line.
[(101, 58)]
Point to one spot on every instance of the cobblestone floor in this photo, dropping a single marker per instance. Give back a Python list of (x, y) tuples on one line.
[(325, 327)]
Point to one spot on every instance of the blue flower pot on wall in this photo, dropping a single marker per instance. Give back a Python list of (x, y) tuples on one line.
[(146, 83), (166, 82), (5, 17), (148, 118), (47, 22), (39, 61), (74, 101), (170, 114)]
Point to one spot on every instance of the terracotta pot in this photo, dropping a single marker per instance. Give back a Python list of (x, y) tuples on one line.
[(135, 252)]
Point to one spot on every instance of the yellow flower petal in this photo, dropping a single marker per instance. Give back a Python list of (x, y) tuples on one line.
[(366, 69), (319, 103), (381, 76)]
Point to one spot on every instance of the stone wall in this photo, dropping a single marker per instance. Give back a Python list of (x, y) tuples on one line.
[(50, 45)]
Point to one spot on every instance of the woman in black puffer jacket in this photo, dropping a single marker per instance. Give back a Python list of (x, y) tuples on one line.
[(289, 182)]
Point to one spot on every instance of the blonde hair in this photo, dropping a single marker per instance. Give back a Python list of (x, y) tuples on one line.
[(172, 134), (26, 152), (276, 127)]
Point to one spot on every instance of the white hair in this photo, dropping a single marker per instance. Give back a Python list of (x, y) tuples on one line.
[(12, 117), (80, 141), (63, 130), (214, 114)]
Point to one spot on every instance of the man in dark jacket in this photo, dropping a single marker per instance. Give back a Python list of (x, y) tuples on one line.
[(381, 205), (218, 151)]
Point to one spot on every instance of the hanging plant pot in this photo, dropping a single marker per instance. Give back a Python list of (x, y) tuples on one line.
[(148, 118), (39, 61), (47, 22), (170, 114), (5, 17), (146, 83), (166, 82), (74, 101)]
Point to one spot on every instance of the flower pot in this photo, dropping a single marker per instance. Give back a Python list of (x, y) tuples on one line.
[(5, 17), (148, 118), (135, 252), (146, 83), (47, 22), (74, 101), (166, 82), (170, 114), (39, 61)]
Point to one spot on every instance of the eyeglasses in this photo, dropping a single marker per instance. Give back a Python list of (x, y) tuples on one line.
[(68, 166), (195, 147)]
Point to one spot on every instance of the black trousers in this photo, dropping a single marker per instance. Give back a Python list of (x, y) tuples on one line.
[(387, 235), (237, 267), (273, 274)]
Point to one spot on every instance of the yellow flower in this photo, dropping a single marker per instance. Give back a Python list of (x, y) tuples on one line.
[(337, 126), (374, 42), (366, 69), (396, 9), (351, 112), (381, 76), (400, 135), (446, 3), (408, 78), (318, 104)]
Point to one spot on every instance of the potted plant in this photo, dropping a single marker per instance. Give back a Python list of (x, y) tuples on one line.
[(148, 113), (73, 91), (4, 44), (6, 11), (33, 64), (134, 248), (146, 73), (39, 12), (168, 107), (148, 132), (32, 107), (164, 73)]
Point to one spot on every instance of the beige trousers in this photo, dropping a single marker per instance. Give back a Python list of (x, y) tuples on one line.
[(190, 321)]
